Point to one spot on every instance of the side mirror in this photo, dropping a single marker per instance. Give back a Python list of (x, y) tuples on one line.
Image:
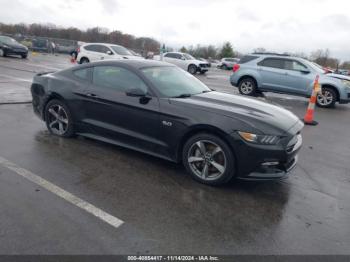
[(109, 52), (183, 58), (135, 92), (305, 71)]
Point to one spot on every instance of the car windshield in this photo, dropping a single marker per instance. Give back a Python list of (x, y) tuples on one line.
[(189, 57), (174, 82), (120, 50), (7, 40)]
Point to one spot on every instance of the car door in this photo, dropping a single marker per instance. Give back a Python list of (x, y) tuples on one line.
[(297, 77), (93, 52), (271, 71), (112, 114), (170, 58), (105, 55)]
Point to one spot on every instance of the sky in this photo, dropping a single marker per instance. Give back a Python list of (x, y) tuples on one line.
[(276, 25)]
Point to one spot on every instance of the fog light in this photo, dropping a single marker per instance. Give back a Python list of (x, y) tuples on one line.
[(270, 164)]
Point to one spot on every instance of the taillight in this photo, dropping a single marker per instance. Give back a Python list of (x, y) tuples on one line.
[(78, 50), (236, 67)]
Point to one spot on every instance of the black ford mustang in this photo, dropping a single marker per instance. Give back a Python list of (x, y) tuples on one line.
[(159, 109)]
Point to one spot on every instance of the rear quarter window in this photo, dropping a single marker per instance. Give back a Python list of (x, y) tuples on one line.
[(247, 58)]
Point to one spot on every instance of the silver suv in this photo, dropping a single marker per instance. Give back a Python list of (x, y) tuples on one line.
[(288, 75)]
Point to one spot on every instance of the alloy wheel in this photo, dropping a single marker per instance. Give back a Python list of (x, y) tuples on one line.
[(57, 120), (325, 99), (207, 160), (247, 87)]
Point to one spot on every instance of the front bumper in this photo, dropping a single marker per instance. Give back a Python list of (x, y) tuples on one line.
[(345, 99), (203, 68), (266, 162)]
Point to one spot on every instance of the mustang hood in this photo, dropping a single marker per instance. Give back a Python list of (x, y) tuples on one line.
[(267, 118)]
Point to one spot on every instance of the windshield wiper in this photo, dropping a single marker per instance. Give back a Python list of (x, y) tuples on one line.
[(182, 96)]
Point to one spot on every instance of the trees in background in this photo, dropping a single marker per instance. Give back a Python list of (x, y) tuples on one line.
[(226, 50), (96, 34)]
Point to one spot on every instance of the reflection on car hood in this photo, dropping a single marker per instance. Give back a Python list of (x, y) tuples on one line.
[(133, 57), (339, 76), (260, 115)]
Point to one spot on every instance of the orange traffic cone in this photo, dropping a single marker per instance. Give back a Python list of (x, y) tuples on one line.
[(309, 116)]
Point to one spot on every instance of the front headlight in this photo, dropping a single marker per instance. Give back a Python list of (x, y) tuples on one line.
[(346, 83), (259, 139)]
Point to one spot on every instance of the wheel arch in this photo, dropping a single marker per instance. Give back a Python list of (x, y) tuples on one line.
[(213, 130), (248, 76), (50, 97), (83, 57), (334, 89), (191, 64)]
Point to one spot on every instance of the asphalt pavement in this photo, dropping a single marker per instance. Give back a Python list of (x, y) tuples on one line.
[(163, 210)]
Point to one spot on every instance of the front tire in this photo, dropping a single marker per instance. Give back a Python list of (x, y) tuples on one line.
[(58, 119), (208, 159), (247, 86), (192, 69), (2, 53), (24, 56), (327, 98)]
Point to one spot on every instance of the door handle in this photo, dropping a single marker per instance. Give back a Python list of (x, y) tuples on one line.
[(92, 95)]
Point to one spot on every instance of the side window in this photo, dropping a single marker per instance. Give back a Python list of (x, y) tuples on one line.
[(93, 48), (170, 55), (272, 62), (293, 65), (82, 73), (178, 56), (117, 78), (297, 66), (104, 49)]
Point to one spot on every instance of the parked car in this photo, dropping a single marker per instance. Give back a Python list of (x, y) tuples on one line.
[(161, 110), (40, 45), (9, 46), (204, 60), (227, 63), (345, 72), (288, 75), (99, 51), (185, 61)]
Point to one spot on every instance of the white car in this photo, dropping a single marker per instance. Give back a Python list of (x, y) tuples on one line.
[(100, 51), (185, 61), (228, 63)]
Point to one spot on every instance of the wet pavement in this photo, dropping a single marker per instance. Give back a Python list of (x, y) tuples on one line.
[(163, 209)]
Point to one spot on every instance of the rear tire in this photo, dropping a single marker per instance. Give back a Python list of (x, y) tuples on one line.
[(24, 56), (58, 119), (84, 60), (192, 69), (2, 53), (327, 99), (208, 159), (247, 86)]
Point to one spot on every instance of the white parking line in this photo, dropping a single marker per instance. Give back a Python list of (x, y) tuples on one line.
[(16, 78), (113, 221)]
